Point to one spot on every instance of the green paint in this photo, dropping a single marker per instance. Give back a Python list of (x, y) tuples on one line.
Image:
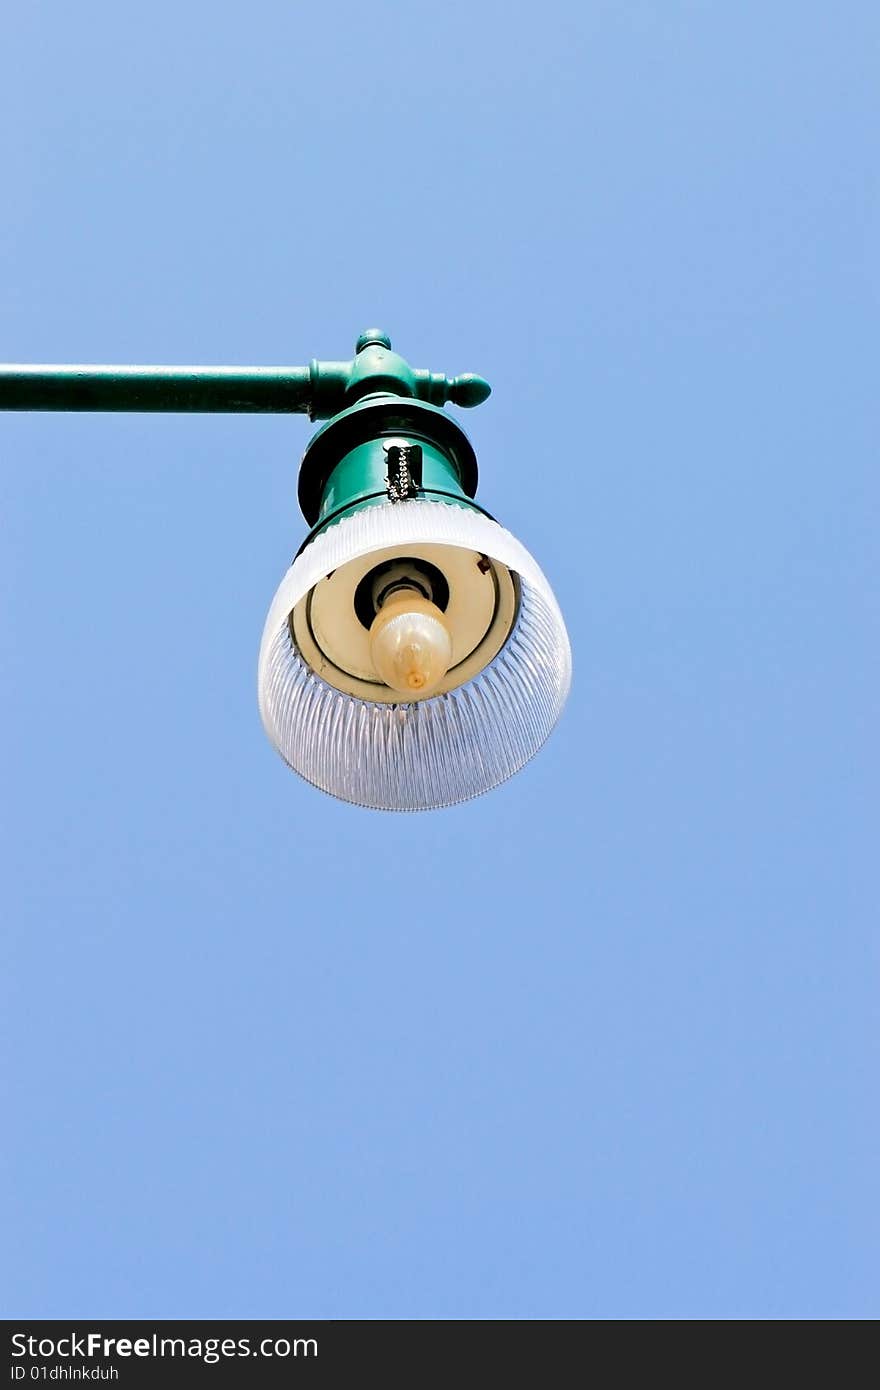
[(361, 479), (320, 390)]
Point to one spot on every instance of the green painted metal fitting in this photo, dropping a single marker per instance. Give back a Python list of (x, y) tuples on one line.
[(387, 436), (377, 369), (371, 474), (385, 448)]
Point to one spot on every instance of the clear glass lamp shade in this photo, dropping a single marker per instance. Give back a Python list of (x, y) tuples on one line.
[(442, 749)]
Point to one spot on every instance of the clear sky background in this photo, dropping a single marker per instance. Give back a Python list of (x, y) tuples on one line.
[(601, 1043)]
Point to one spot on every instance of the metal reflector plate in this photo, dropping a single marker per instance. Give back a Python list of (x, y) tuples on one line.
[(480, 613)]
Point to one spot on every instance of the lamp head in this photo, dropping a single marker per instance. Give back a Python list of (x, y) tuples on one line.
[(414, 654)]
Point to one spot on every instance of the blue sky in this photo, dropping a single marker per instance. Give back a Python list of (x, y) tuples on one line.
[(602, 1043)]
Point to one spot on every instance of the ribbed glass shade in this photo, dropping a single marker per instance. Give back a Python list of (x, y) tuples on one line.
[(440, 750)]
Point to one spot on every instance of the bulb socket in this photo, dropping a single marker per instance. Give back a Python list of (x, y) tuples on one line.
[(408, 573)]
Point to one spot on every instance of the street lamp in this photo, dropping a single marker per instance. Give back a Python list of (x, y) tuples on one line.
[(414, 654)]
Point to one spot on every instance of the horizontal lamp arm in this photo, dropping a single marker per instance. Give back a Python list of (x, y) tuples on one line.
[(320, 390), (263, 390)]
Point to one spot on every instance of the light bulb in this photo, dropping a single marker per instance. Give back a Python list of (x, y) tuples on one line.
[(410, 643)]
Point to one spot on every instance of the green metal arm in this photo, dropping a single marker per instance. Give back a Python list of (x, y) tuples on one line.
[(320, 390), (262, 389)]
